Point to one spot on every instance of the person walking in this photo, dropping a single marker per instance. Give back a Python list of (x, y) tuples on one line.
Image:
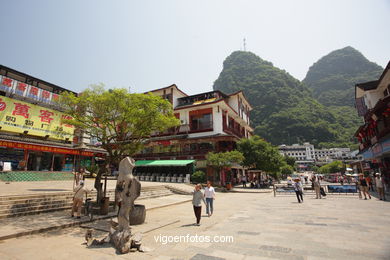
[(197, 199), (298, 188), (79, 190), (379, 186), (243, 180), (369, 183), (209, 194), (317, 186), (364, 186)]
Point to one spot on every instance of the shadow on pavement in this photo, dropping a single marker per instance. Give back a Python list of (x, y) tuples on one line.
[(48, 190)]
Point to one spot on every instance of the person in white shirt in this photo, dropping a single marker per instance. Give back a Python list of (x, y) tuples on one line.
[(379, 186), (209, 194), (79, 190)]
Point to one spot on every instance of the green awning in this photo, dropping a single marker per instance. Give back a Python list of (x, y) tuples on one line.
[(163, 162)]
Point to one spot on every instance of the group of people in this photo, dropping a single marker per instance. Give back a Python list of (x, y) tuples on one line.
[(363, 187), (364, 184), (255, 182), (207, 198), (316, 185)]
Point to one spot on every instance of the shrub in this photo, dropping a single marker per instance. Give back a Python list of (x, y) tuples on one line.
[(198, 177)]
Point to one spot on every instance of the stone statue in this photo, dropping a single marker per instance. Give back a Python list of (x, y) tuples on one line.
[(129, 189)]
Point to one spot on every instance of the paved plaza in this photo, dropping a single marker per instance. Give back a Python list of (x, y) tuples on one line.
[(262, 227)]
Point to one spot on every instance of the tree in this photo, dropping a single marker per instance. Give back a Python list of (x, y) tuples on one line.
[(222, 161), (260, 155), (290, 160), (333, 167), (119, 120), (286, 170)]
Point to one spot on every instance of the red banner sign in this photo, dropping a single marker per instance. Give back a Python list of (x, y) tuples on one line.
[(42, 148)]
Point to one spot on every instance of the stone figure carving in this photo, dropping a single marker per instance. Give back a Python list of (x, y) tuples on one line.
[(129, 189)]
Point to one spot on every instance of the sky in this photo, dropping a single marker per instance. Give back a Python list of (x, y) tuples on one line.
[(145, 45)]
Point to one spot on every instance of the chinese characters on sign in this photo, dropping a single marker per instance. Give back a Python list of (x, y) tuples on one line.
[(22, 89), (18, 116)]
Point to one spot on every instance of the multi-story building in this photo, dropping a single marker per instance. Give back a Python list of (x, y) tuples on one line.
[(32, 136), (210, 122), (302, 153), (307, 154), (373, 104)]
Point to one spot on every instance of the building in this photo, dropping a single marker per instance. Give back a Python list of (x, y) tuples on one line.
[(32, 136), (373, 105), (307, 154), (301, 153), (210, 122)]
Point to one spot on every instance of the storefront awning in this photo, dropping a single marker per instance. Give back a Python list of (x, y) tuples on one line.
[(163, 162)]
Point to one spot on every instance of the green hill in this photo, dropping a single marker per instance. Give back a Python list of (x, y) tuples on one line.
[(284, 109), (333, 77), (319, 110)]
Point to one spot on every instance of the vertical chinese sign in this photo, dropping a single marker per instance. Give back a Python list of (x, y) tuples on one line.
[(18, 116)]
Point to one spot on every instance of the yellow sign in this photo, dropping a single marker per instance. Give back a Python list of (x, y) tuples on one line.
[(18, 116)]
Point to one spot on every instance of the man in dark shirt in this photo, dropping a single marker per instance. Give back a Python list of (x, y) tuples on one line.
[(364, 186)]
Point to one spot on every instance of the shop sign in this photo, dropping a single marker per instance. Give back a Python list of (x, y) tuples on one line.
[(18, 116), (42, 148), (368, 154), (386, 145), (377, 150), (28, 91)]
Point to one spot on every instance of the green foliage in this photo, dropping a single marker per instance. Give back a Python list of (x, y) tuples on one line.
[(289, 160), (333, 167), (285, 111), (287, 170), (120, 121), (260, 155), (198, 177), (220, 161), (333, 77)]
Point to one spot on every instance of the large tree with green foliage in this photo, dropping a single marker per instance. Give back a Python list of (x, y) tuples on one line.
[(333, 167), (224, 160), (261, 155), (119, 120)]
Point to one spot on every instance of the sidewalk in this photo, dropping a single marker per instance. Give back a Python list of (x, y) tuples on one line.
[(32, 224)]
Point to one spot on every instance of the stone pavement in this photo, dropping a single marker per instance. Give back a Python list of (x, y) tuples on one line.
[(31, 224), (262, 227)]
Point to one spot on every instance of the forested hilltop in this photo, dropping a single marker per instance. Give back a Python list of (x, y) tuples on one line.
[(333, 77), (285, 110)]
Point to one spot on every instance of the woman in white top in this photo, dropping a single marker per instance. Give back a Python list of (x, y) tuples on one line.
[(209, 194)]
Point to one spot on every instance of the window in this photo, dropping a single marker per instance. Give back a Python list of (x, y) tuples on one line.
[(201, 121)]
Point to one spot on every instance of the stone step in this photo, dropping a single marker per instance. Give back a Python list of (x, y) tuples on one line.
[(38, 203), (29, 199)]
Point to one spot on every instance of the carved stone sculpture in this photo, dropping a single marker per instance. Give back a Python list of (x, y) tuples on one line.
[(129, 188)]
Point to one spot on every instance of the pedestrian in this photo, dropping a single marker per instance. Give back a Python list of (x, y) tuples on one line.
[(364, 186), (243, 180), (78, 176), (79, 190), (317, 186), (369, 183), (209, 194), (197, 199), (306, 182), (298, 188), (379, 186)]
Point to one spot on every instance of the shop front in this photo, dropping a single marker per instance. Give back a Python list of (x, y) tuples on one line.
[(19, 156)]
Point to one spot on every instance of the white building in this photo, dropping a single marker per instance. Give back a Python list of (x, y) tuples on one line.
[(307, 153)]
